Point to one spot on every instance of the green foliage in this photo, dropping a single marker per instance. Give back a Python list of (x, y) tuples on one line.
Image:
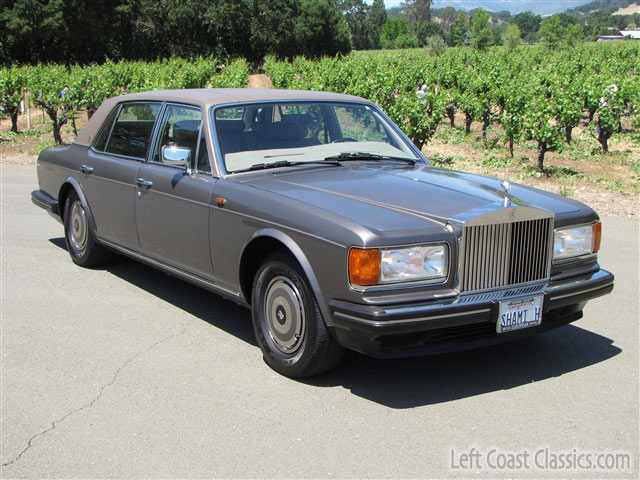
[(459, 30), (406, 40), (528, 23), (436, 45), (537, 93), (321, 29), (551, 32), (84, 32), (481, 33), (392, 29), (12, 81), (512, 37), (60, 91), (365, 22)]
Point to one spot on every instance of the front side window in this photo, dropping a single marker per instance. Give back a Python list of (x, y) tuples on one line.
[(262, 134), (180, 127), (132, 130)]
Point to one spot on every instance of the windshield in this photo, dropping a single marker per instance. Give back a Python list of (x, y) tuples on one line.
[(282, 133)]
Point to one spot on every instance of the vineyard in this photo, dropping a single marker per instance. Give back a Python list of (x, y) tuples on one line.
[(529, 100), (534, 93), (61, 92)]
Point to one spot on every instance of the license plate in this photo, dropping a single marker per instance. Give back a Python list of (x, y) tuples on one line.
[(519, 313)]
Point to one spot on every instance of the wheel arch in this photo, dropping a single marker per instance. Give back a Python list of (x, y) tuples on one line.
[(266, 242), (68, 185)]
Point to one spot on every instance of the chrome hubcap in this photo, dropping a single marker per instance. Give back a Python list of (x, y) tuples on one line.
[(78, 226), (284, 314)]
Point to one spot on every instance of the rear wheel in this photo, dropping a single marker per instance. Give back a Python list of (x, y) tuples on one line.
[(80, 238), (287, 321)]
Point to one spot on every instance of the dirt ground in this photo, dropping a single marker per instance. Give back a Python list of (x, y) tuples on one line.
[(259, 80)]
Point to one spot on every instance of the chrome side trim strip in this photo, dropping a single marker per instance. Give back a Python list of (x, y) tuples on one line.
[(580, 292), (164, 266)]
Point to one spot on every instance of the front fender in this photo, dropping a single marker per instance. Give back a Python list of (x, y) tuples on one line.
[(301, 258)]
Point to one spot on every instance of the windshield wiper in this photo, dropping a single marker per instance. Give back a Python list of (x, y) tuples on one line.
[(353, 156), (286, 163)]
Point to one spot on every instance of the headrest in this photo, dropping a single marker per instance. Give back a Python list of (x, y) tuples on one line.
[(188, 125), (230, 125), (286, 131), (304, 118)]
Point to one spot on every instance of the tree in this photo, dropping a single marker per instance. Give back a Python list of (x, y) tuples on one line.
[(406, 40), (418, 118), (540, 125), (528, 23), (448, 15), (551, 32), (573, 34), (12, 81), (417, 11), (609, 113), (481, 33), (376, 19), (273, 23), (321, 29), (425, 30), (45, 84), (512, 37), (392, 29), (355, 13), (459, 30), (436, 45), (34, 30)]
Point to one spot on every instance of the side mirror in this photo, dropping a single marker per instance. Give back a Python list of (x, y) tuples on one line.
[(176, 156)]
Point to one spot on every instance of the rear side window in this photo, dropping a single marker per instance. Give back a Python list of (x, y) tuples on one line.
[(101, 140), (132, 130)]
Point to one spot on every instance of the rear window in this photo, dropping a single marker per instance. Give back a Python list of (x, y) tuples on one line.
[(132, 130)]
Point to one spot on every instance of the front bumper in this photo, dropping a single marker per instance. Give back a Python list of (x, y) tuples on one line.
[(467, 322)]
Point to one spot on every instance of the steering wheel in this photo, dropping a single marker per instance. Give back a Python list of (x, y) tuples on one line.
[(344, 139)]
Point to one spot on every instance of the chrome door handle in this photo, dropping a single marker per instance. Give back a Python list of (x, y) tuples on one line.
[(144, 183), (86, 169)]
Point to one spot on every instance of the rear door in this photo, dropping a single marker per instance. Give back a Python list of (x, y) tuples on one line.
[(109, 175), (172, 202)]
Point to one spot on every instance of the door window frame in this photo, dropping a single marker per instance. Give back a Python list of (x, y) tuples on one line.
[(155, 139), (117, 109)]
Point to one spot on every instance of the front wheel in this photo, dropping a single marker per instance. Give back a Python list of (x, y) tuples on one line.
[(80, 238), (287, 321)]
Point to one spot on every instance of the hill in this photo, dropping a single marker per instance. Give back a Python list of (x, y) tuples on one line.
[(617, 7)]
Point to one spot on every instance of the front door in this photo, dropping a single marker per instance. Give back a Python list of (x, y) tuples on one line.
[(172, 201)]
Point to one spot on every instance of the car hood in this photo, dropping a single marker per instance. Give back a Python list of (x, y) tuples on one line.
[(417, 190)]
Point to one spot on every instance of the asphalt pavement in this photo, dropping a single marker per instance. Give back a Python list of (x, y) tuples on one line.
[(126, 372)]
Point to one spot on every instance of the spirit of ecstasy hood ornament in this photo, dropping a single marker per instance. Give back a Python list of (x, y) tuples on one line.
[(506, 186)]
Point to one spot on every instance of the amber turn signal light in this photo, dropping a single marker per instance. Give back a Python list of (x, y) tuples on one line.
[(597, 234), (364, 266)]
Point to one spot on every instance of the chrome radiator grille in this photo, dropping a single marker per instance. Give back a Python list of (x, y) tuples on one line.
[(503, 254)]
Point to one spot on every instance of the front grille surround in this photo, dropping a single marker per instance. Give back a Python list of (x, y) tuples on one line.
[(503, 254)]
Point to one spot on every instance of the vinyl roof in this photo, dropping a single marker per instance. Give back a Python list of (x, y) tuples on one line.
[(215, 96)]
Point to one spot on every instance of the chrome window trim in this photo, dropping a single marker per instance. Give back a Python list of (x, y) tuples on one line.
[(219, 159), (156, 132), (119, 107), (115, 112)]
